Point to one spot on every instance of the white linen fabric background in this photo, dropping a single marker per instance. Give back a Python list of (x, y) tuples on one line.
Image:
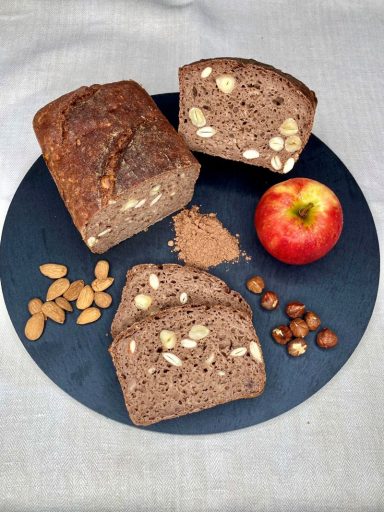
[(326, 454)]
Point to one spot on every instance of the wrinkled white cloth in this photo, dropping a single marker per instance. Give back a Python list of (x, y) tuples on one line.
[(326, 454)]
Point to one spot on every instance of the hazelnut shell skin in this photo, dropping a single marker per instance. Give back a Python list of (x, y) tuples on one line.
[(297, 347), (269, 300), (256, 284), (313, 320), (285, 337), (299, 328), (295, 309), (326, 339)]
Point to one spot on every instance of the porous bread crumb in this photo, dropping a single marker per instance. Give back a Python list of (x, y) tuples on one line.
[(202, 240)]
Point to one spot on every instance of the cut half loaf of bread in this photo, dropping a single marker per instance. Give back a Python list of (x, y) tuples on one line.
[(118, 164), (150, 288), (244, 110), (186, 359)]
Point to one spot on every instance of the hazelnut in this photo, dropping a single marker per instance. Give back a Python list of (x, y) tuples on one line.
[(282, 334), (295, 309), (297, 347), (326, 339), (255, 284), (269, 300), (299, 328), (313, 321)]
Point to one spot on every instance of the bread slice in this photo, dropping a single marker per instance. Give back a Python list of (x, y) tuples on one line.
[(244, 110), (170, 285), (216, 358)]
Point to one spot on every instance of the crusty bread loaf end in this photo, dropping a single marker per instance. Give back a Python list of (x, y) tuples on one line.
[(117, 162)]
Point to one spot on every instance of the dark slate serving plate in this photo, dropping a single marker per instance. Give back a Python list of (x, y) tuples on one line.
[(341, 287)]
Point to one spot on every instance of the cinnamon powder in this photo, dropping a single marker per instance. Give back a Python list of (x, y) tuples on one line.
[(202, 240)]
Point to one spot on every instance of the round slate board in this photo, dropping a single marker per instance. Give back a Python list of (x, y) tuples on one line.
[(341, 287)]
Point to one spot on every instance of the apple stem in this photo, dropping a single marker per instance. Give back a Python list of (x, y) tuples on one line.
[(303, 212)]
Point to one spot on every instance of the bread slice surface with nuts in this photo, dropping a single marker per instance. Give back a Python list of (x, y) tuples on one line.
[(162, 380), (150, 288), (243, 110)]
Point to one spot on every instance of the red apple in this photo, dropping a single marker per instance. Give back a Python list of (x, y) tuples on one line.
[(299, 220)]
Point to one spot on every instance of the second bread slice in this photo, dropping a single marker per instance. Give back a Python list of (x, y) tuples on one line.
[(150, 288)]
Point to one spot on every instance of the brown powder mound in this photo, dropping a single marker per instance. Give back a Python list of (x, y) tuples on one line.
[(202, 240)]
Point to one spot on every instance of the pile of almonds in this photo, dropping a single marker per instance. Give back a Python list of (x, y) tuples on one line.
[(293, 335), (62, 292)]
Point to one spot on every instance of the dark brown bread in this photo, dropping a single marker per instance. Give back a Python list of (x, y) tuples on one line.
[(159, 383), (176, 285), (117, 162), (245, 110)]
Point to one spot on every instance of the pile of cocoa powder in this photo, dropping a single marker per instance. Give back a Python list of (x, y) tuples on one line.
[(202, 240)]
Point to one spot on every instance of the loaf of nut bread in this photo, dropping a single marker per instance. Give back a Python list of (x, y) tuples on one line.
[(117, 162), (150, 288), (186, 359), (244, 110)]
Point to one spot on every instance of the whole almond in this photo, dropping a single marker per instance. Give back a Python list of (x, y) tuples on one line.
[(57, 288), (88, 316), (103, 299), (85, 298), (35, 326), (53, 311), (99, 285), (34, 305), (53, 270), (102, 269), (64, 304), (74, 290)]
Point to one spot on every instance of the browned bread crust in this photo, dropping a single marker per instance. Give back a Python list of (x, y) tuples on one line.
[(105, 144), (209, 374), (246, 117)]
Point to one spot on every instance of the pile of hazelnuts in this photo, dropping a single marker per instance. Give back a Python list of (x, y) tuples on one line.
[(302, 321)]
